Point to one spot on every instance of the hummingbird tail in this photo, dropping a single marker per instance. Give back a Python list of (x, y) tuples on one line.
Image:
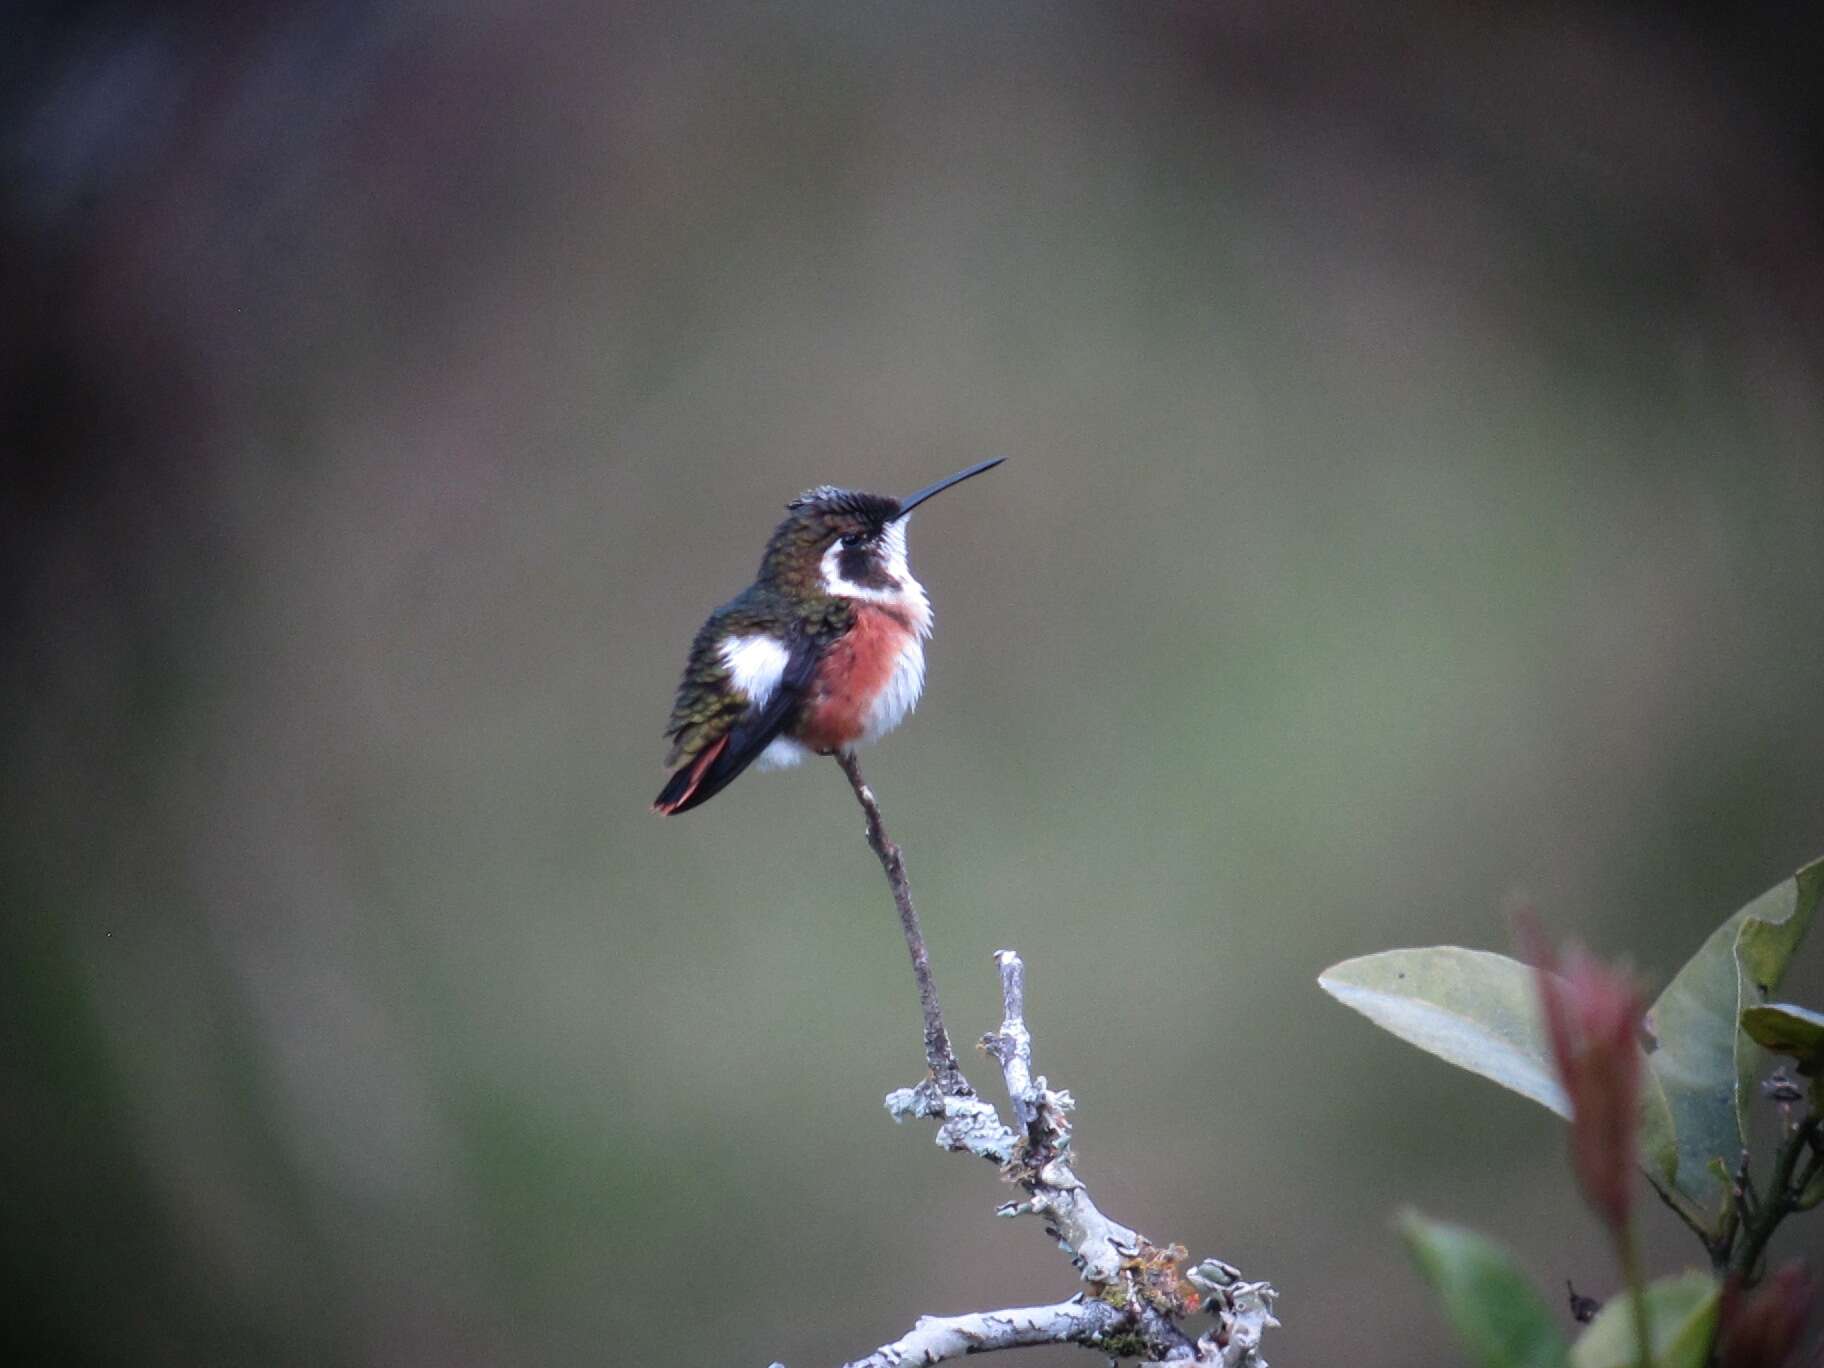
[(677, 794)]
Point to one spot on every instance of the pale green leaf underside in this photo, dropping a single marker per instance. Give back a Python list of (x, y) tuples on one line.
[(1480, 1011), (1474, 1008), (1782, 1028)]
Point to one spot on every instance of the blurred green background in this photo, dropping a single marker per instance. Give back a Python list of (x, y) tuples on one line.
[(1413, 508)]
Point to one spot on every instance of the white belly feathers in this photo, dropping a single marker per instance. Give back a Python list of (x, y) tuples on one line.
[(901, 693), (755, 665)]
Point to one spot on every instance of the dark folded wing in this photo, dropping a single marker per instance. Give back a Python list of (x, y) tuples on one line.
[(717, 765)]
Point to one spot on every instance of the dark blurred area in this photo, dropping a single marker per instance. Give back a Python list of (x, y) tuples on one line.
[(1416, 423)]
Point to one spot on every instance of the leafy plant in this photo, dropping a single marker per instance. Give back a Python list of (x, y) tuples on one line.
[(1669, 1090)]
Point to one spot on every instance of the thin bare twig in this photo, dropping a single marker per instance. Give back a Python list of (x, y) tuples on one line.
[(1138, 1292), (1140, 1282), (938, 1054)]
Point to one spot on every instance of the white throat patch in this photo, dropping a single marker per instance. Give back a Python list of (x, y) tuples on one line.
[(909, 597)]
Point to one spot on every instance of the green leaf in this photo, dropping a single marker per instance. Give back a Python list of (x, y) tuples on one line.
[(1707, 1065), (1681, 1318), (1797, 1032), (1480, 1011), (1496, 1312)]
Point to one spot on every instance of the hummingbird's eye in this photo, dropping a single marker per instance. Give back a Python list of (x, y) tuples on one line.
[(854, 539)]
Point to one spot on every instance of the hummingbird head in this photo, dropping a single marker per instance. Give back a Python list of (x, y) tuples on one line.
[(849, 544)]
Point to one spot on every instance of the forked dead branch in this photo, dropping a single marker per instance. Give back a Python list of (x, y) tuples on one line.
[(1138, 1294)]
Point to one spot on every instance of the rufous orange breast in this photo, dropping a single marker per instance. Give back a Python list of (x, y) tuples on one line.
[(851, 677)]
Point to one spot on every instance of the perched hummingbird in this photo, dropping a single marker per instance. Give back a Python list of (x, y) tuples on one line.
[(825, 650)]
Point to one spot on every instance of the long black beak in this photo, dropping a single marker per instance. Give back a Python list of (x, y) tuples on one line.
[(912, 501)]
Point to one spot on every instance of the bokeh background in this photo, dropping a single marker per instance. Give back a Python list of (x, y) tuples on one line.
[(1414, 502)]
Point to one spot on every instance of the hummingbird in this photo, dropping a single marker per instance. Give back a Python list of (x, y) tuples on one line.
[(825, 650)]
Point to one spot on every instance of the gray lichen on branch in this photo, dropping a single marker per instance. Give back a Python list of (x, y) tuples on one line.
[(1038, 1156), (1138, 1292), (1142, 1283), (936, 1338)]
